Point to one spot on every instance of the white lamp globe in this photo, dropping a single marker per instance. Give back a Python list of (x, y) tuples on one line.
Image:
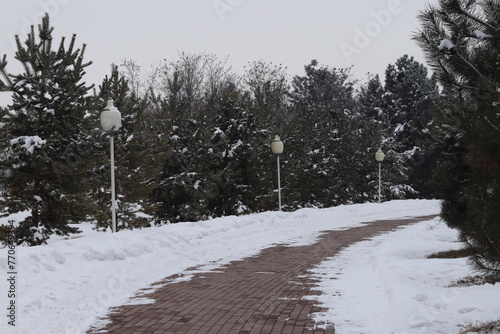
[(277, 145), (111, 118), (379, 156)]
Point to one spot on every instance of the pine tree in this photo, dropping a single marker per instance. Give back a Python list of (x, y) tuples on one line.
[(462, 43), (323, 106), (211, 169), (372, 105), (371, 99), (267, 88), (45, 136), (176, 184), (182, 120), (410, 95), (231, 156), (400, 112), (136, 158)]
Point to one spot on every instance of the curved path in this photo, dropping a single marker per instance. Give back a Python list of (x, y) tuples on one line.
[(261, 294)]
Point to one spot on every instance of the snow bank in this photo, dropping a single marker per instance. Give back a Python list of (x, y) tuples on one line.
[(387, 285), (64, 287)]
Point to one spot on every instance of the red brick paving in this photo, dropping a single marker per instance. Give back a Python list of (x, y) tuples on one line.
[(262, 294)]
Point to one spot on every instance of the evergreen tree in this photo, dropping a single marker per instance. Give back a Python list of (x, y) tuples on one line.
[(45, 136), (211, 167), (201, 113), (390, 114), (268, 100), (231, 158), (323, 104), (409, 96), (462, 44), (176, 184), (371, 100), (372, 105), (268, 88), (136, 159)]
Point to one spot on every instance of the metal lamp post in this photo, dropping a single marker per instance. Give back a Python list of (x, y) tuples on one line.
[(379, 156), (111, 121), (277, 148)]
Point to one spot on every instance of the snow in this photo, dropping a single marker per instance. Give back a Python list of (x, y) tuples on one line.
[(30, 142), (399, 128), (19, 83), (446, 44), (218, 131), (480, 34), (67, 285), (387, 285), (235, 147)]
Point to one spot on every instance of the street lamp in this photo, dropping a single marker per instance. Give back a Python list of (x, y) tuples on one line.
[(379, 156), (277, 148), (111, 121)]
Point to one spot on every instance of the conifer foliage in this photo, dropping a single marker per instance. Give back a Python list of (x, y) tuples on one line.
[(461, 39), (44, 137), (401, 108), (212, 140), (133, 144), (194, 141)]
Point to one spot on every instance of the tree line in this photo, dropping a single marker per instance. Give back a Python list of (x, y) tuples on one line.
[(194, 142), (195, 138)]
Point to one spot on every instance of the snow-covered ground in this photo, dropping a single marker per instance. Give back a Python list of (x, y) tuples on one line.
[(384, 285), (387, 285)]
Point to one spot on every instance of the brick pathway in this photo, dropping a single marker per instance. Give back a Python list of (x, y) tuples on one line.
[(262, 294)]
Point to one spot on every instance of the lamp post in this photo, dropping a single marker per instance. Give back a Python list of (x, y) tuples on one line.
[(379, 156), (111, 121), (277, 148)]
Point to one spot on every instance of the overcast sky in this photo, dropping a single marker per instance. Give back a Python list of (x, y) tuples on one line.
[(368, 34)]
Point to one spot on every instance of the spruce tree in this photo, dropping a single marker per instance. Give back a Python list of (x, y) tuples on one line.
[(212, 142), (371, 99), (268, 89), (211, 168), (372, 104), (135, 161), (266, 86), (323, 104), (45, 136), (462, 43), (409, 95), (179, 123), (221, 185), (176, 185)]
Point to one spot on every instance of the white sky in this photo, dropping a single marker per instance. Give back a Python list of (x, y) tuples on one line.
[(369, 34)]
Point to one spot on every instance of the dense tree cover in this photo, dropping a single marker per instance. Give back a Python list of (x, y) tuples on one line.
[(195, 138), (462, 42)]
